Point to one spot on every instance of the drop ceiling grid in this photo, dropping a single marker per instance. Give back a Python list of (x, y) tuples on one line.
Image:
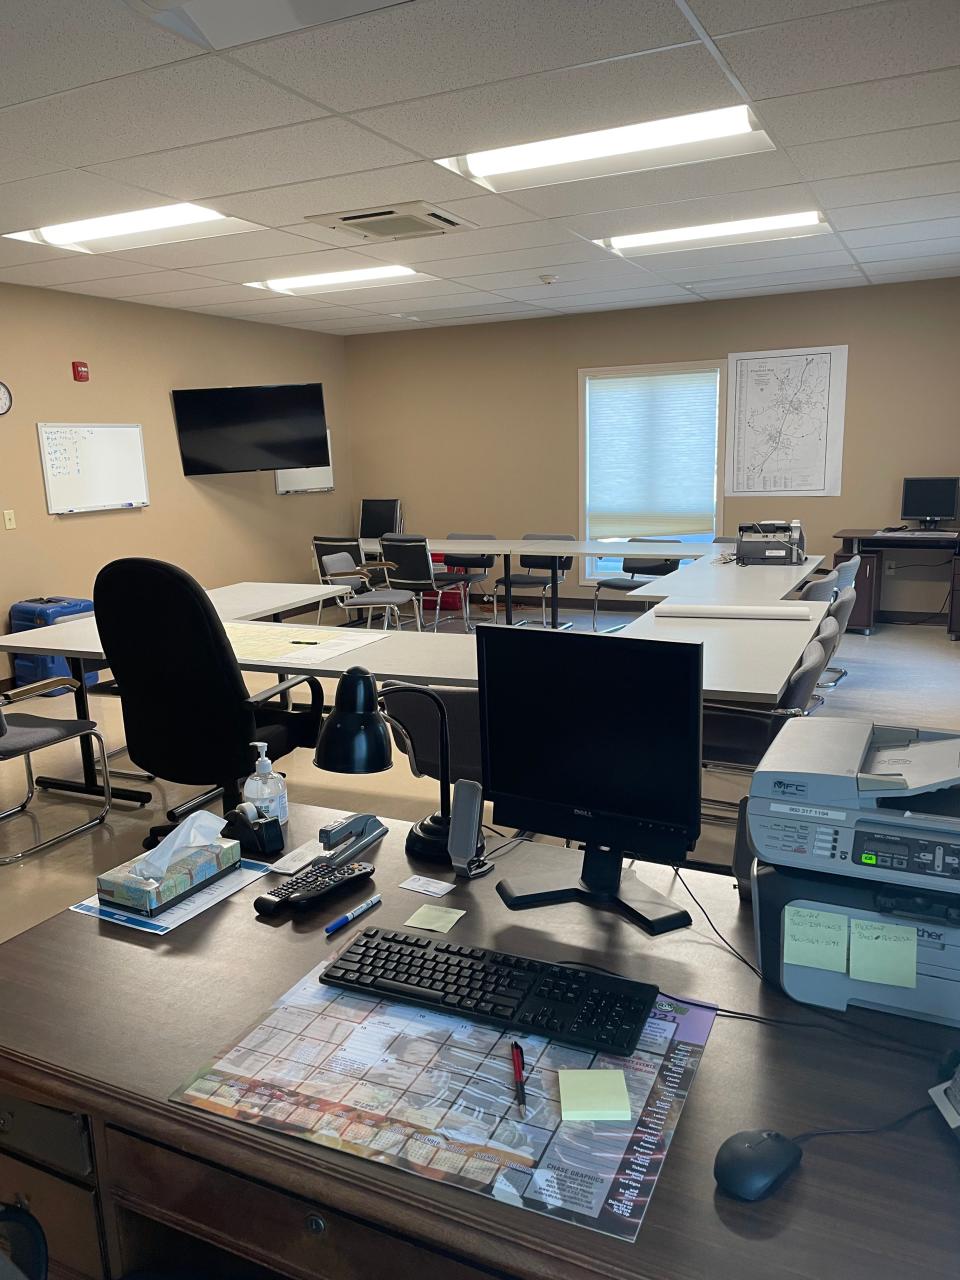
[(861, 98)]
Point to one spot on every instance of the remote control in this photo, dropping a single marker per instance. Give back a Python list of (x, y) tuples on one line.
[(309, 887)]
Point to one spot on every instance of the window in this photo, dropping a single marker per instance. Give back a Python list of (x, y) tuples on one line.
[(649, 454)]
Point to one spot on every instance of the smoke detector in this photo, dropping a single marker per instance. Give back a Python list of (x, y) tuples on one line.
[(548, 279), (407, 221)]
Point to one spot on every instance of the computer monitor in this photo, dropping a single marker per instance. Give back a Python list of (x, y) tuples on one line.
[(930, 499), (596, 739)]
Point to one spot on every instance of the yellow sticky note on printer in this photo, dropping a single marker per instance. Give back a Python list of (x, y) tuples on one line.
[(594, 1095), (815, 939), (884, 953)]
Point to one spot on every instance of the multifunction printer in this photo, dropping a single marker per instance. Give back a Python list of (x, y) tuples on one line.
[(771, 542)]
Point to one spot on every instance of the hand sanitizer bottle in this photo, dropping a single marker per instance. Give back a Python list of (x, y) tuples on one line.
[(266, 789)]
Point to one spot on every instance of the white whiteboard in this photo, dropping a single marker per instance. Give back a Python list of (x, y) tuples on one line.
[(89, 466), (307, 479)]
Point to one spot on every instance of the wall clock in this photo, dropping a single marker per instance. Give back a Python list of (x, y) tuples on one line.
[(6, 398)]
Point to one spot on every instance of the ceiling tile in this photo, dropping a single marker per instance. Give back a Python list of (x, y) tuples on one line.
[(662, 186), (732, 270), (15, 165), (904, 272), (872, 153), (498, 306), (16, 253), (489, 211), (722, 16), (762, 279), (63, 197), (171, 106), (461, 244), (316, 315), (253, 304), (895, 39), (617, 273), (678, 296), (601, 96), (904, 103), (909, 249), (892, 211), (453, 321), (69, 270), (298, 264), (809, 286), (473, 298), (656, 216), (183, 290), (437, 45), (285, 206), (903, 233), (49, 47), (313, 149), (322, 235), (213, 249), (150, 282), (936, 264), (405, 295), (900, 184), (639, 297), (547, 257)]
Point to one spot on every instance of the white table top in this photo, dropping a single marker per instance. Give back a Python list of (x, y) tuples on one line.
[(238, 602), (707, 581), (667, 550)]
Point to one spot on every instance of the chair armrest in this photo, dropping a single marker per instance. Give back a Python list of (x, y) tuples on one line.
[(316, 690), (39, 686)]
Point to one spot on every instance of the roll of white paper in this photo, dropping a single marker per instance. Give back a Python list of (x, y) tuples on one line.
[(778, 612)]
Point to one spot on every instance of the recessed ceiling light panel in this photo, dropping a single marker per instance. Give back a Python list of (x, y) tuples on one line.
[(782, 226), (338, 281), (115, 232), (653, 144)]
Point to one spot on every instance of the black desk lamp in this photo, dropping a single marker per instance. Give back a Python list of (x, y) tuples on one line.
[(354, 738)]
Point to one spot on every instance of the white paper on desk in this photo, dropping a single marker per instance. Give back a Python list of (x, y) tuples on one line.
[(423, 884), (191, 907)]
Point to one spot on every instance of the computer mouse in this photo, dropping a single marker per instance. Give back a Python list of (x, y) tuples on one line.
[(753, 1163)]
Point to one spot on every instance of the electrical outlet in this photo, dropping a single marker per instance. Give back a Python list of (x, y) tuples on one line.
[(9, 520), (890, 567)]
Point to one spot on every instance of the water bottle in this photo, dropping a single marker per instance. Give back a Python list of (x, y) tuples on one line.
[(265, 789)]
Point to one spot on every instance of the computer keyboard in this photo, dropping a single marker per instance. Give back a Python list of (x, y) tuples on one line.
[(575, 1006), (942, 534)]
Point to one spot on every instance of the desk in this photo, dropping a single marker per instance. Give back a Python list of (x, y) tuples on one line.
[(555, 548), (79, 642), (870, 544), (105, 1023), (709, 581)]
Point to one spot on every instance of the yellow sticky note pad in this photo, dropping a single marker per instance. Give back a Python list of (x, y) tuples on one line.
[(437, 919), (815, 939), (594, 1095), (884, 953)]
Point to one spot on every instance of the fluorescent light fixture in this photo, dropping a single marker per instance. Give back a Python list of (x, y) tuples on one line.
[(782, 226), (336, 281), (135, 230), (654, 144)]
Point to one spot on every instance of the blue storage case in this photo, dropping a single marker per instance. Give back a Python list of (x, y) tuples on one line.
[(25, 615)]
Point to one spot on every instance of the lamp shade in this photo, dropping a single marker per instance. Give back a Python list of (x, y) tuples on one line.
[(354, 738)]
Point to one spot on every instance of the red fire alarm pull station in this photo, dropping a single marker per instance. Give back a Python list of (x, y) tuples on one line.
[(81, 371)]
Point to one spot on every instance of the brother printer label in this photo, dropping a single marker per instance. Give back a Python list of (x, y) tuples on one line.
[(809, 811)]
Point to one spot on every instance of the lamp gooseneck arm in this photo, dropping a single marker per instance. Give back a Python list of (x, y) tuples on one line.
[(427, 692)]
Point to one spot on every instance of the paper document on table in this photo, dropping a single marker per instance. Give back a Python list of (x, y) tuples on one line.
[(183, 911), (277, 643)]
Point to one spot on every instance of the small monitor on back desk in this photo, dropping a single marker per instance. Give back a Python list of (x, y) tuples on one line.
[(596, 739), (930, 499)]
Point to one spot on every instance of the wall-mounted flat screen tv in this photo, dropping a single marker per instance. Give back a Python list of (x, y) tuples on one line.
[(228, 429)]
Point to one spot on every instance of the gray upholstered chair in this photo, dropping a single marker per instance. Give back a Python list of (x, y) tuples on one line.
[(847, 571), (735, 738), (838, 613), (634, 572), (341, 570), (21, 735), (824, 587), (536, 572)]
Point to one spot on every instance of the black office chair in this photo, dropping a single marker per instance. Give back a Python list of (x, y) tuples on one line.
[(420, 720), (187, 714), (379, 516), (23, 1241), (410, 568), (474, 567), (528, 578), (634, 572)]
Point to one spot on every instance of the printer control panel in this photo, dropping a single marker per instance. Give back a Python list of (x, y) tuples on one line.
[(885, 851)]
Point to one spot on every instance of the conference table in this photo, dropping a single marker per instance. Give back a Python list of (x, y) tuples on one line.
[(79, 642), (556, 549)]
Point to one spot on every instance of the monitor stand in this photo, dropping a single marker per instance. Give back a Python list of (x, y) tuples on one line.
[(600, 885), (932, 523)]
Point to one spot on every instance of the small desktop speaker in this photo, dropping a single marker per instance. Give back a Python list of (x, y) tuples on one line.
[(465, 843)]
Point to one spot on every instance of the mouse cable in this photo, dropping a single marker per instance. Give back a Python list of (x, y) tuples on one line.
[(852, 1133), (845, 1033)]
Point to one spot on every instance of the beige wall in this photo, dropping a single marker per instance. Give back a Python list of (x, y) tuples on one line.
[(222, 528), (476, 427)]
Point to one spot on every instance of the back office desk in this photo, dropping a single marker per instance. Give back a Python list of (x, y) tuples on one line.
[(79, 642), (104, 1023), (555, 548)]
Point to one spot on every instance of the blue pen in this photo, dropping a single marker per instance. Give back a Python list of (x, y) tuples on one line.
[(352, 915)]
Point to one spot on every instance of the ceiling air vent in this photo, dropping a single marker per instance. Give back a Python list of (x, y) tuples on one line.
[(393, 222)]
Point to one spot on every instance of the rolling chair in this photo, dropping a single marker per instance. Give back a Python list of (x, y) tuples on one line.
[(419, 720), (475, 567), (822, 588), (847, 571), (340, 569), (838, 614), (634, 573), (21, 735), (735, 738), (26, 1245), (528, 579), (187, 714), (411, 569)]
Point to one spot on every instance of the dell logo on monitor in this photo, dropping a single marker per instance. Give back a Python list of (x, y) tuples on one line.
[(584, 813)]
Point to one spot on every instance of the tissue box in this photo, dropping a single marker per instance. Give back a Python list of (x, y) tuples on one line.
[(123, 888)]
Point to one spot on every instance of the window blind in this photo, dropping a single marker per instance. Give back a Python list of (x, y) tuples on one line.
[(651, 453)]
